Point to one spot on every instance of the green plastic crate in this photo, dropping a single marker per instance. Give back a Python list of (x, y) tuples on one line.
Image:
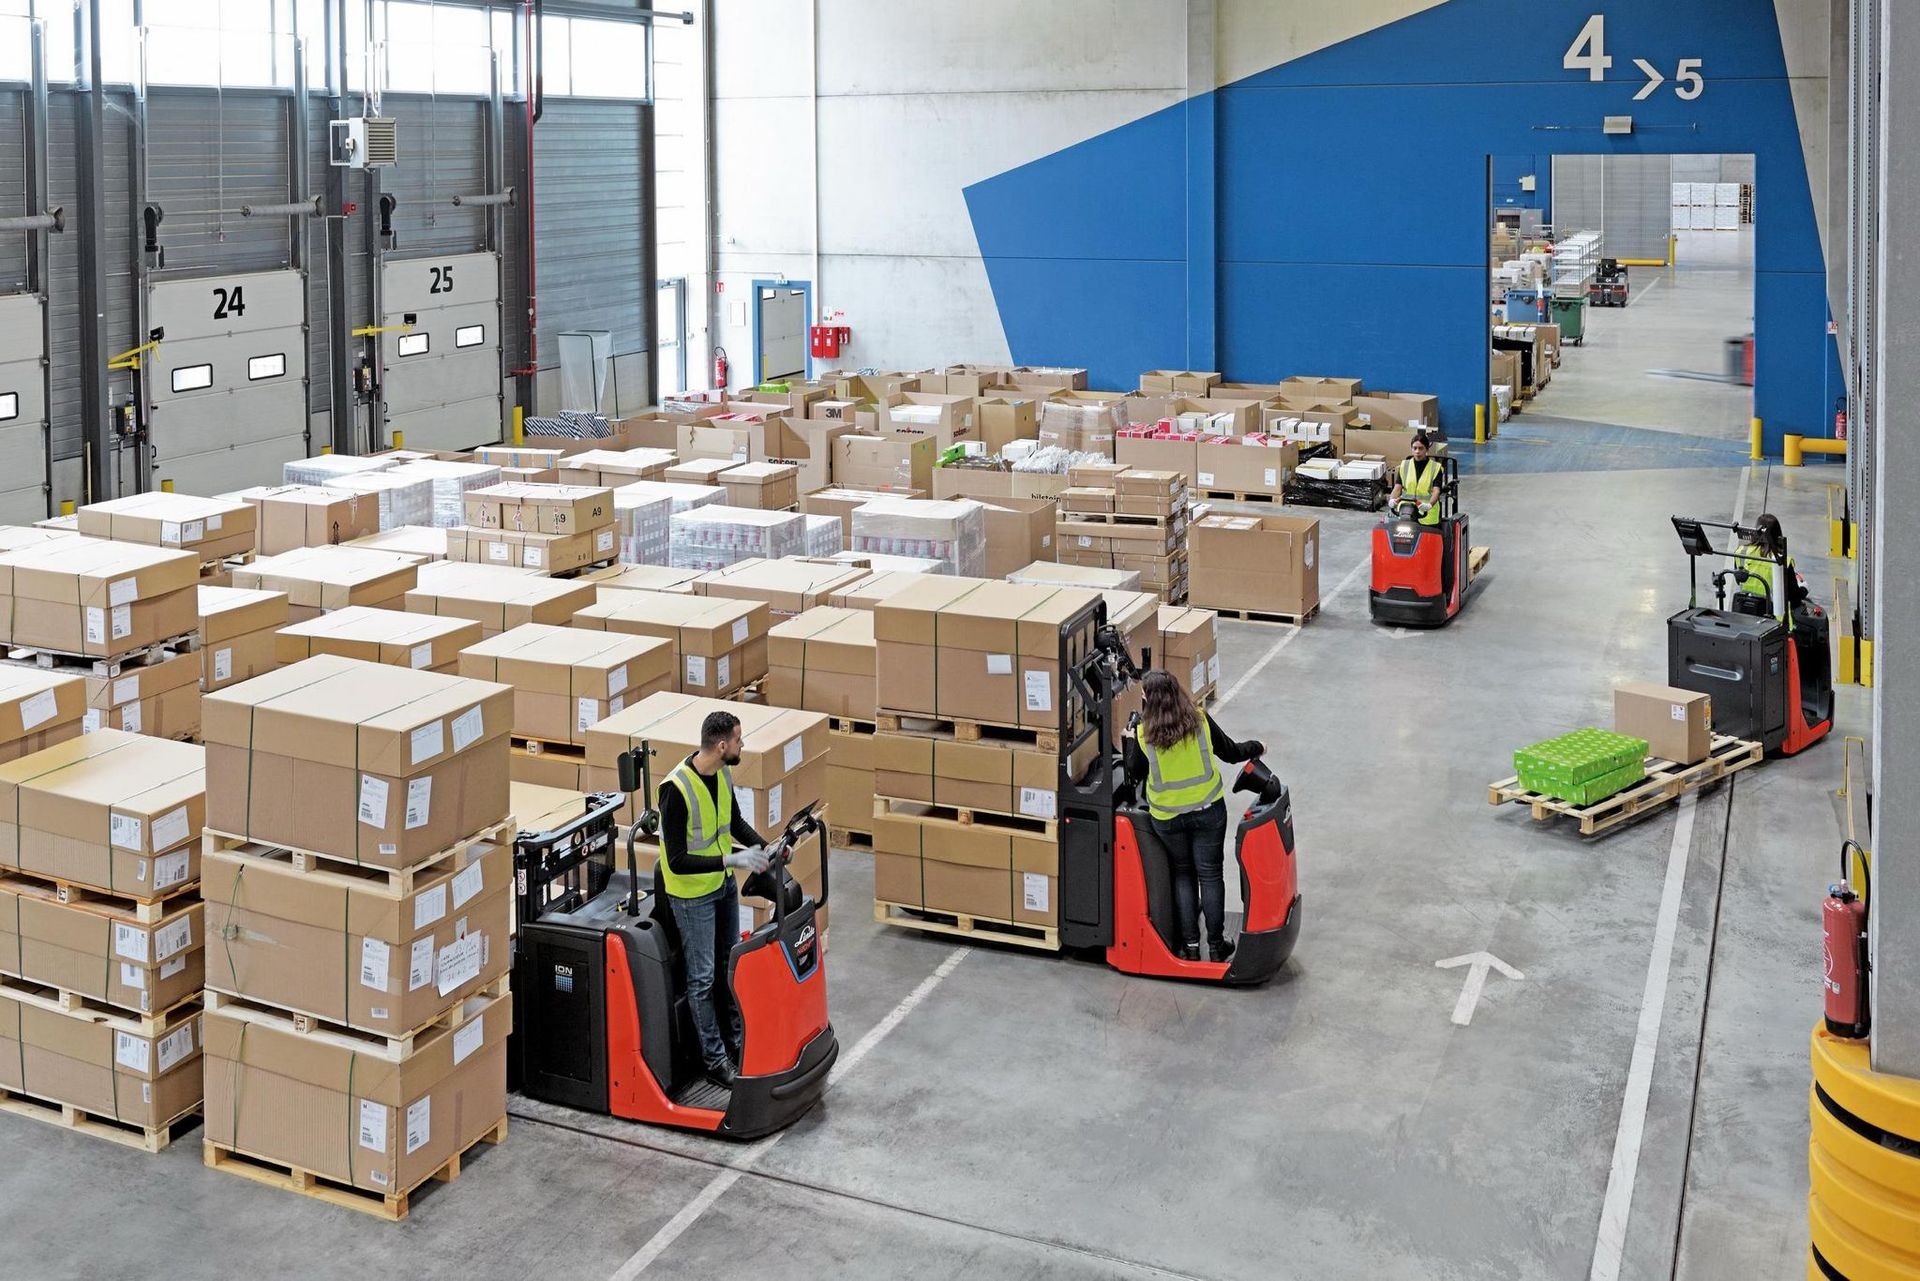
[(1582, 767)]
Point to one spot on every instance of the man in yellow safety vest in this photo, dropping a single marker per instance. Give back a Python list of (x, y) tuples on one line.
[(703, 838), (1419, 478)]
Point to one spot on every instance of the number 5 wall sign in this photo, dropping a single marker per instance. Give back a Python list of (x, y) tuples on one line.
[(1588, 53)]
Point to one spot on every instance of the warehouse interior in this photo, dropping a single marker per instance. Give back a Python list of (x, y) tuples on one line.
[(1289, 613)]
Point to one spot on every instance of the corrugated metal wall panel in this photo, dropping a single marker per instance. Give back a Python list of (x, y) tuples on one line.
[(587, 165), (442, 155), (13, 188), (1639, 197), (207, 155), (1578, 182), (63, 184)]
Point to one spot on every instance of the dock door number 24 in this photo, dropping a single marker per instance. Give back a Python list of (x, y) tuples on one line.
[(1588, 53)]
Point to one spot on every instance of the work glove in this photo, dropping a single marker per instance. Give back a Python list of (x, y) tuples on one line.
[(753, 859), (1258, 748)]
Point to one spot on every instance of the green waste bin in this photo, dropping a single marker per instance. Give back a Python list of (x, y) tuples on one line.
[(1571, 315)]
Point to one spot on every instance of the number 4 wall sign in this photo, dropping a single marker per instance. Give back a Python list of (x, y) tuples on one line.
[(1588, 53)]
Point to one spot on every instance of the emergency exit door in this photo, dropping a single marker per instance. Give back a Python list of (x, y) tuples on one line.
[(23, 410), (442, 368), (783, 332)]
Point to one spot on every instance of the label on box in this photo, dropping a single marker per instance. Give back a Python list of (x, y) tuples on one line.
[(420, 964), (1039, 802), (1039, 691), (999, 664), (468, 1037), (1085, 541), (696, 670), (459, 963), (1272, 476), (373, 801), (122, 621), (1306, 553), (584, 709), (122, 591), (126, 831), (213, 524), (170, 533), (96, 625), (1034, 895), (428, 741), (419, 1124), (170, 828), (749, 803), (739, 631), (467, 883), (1206, 480), (133, 976), (790, 756), (498, 551), (615, 703), (421, 655), (616, 680), (774, 804), (193, 531), (130, 718), (90, 721), (173, 967), (722, 671), (1213, 669), (169, 870), (532, 557), (373, 1126), (38, 710), (373, 964), (603, 540), (175, 1046), (174, 936), (130, 1052), (429, 907), (1198, 681), (222, 664), (419, 801), (467, 727), (1679, 711)]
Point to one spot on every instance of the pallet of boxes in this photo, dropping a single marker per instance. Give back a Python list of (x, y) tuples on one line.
[(358, 867), (102, 932), (547, 529), (1113, 516)]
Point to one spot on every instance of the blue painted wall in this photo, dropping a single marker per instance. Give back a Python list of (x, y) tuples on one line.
[(1507, 173), (1346, 197)]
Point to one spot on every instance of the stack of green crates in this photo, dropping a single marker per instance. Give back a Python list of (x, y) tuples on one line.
[(1585, 766)]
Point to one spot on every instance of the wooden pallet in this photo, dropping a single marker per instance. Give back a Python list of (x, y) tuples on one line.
[(541, 747), (99, 1125), (59, 1000), (849, 838), (965, 816), (579, 571), (399, 880), (391, 1206), (1066, 520), (849, 725), (975, 929), (1665, 782), (145, 656), (1477, 558), (147, 911), (968, 731), (1266, 615), (1238, 496), (378, 1044)]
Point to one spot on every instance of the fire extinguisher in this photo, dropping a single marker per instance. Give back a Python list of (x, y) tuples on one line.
[(1840, 418), (720, 368), (1844, 923)]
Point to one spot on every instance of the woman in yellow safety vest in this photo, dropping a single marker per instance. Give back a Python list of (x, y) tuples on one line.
[(1758, 562), (1419, 478), (1175, 751)]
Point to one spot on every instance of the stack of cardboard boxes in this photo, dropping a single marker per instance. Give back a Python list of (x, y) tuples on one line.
[(549, 529), (358, 869), (292, 516), (823, 661), (102, 934), (319, 579), (239, 634), (1132, 519), (496, 597), (214, 529), (1264, 567), (717, 645), (400, 638)]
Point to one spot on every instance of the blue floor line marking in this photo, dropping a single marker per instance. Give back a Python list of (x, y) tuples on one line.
[(1563, 445)]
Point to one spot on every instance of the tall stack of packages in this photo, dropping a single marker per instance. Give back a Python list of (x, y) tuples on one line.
[(969, 679), (1130, 520), (549, 529), (125, 616), (214, 529), (823, 661), (358, 870), (102, 932)]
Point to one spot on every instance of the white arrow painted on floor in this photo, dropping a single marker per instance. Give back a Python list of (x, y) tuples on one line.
[(1654, 78), (1478, 964)]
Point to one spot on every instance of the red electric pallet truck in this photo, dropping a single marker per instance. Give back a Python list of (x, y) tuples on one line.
[(601, 1020), (1421, 572)]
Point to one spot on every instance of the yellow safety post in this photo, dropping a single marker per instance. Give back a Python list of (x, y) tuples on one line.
[(1673, 252), (1790, 450), (519, 420), (1862, 1164), (66, 507), (1866, 663), (1479, 424), (1822, 445), (399, 440), (1756, 442), (326, 449), (166, 486)]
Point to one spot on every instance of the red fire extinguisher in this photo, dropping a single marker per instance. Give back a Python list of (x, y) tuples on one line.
[(1840, 418), (1844, 923), (720, 368)]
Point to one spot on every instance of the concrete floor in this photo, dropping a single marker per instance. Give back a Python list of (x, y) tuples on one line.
[(999, 1113)]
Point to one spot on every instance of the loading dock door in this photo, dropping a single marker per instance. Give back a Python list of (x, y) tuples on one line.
[(443, 375), (227, 385), (783, 336), (23, 410)]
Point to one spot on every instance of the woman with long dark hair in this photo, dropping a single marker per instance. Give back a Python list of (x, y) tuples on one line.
[(1175, 751)]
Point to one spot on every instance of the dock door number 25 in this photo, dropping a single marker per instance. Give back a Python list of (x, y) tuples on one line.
[(1588, 53)]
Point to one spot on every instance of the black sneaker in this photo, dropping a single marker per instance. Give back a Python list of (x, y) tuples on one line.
[(721, 1074), (1190, 951), (1220, 950)]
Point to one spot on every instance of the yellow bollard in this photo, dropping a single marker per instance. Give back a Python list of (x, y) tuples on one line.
[(1757, 449), (399, 440), (1790, 450), (1479, 424), (519, 431), (326, 449), (66, 507), (166, 486)]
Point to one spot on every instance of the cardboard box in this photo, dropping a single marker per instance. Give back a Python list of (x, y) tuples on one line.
[(238, 633), (881, 584), (318, 579), (884, 463), (293, 516), (102, 950), (390, 636), (369, 763), (1156, 454), (842, 502), (1393, 444), (609, 468), (111, 810), (951, 531), (354, 949), (350, 1111), (1001, 420), (1189, 650), (1062, 575), (540, 509), (823, 661), (565, 679), (99, 598), (782, 762), (719, 644), (139, 1074), (534, 553), (992, 482), (1179, 382), (38, 709), (1504, 371), (496, 598), (160, 698), (985, 651), (1259, 563), (518, 456), (700, 471), (1019, 532), (789, 586), (1397, 409), (765, 486), (946, 418), (1329, 390), (806, 445), (1677, 723), (640, 578), (210, 528), (1242, 468), (999, 778), (903, 767), (897, 861)]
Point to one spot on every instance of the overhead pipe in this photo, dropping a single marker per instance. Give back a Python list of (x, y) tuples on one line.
[(291, 209), (485, 199), (55, 221)]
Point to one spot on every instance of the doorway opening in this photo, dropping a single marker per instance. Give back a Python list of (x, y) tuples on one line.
[(780, 311)]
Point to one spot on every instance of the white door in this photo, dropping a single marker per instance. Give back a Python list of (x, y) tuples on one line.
[(783, 332), (226, 387), (443, 370), (23, 410)]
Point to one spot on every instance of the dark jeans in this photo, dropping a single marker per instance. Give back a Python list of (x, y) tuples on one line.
[(708, 927), (1197, 850)]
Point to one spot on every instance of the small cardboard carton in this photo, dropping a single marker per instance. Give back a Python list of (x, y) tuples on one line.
[(290, 516), (391, 636), (160, 698), (1406, 409), (1003, 419), (1256, 563), (719, 644), (1188, 648), (1019, 532), (823, 661), (765, 486), (1677, 723), (565, 679), (885, 463), (946, 418), (806, 445)]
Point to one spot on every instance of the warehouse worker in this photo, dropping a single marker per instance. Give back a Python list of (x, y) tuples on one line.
[(1757, 562), (1176, 749), (1419, 478), (704, 837)]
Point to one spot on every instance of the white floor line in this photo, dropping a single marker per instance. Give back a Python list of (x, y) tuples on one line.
[(1273, 652), (1611, 1244), (674, 1228), (1650, 284), (1740, 497)]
